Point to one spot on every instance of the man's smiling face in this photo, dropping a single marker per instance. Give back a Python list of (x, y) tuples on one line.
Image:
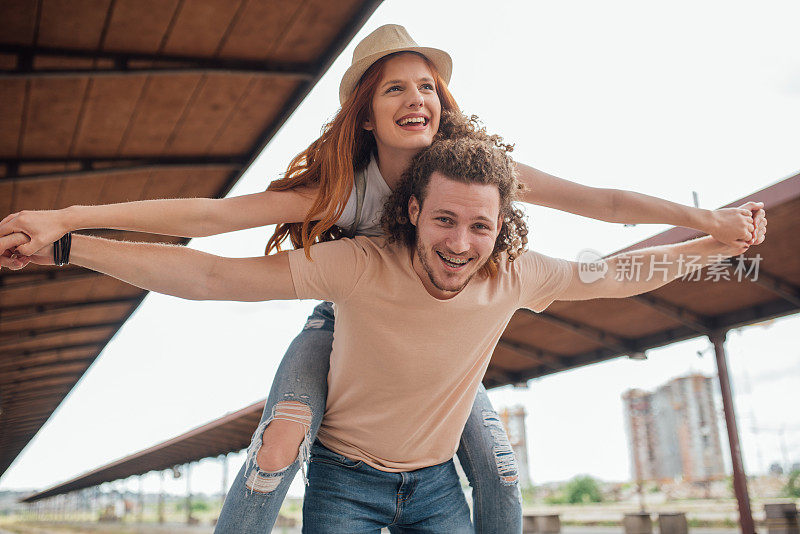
[(457, 226)]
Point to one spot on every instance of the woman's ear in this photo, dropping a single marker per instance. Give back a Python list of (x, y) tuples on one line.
[(367, 125)]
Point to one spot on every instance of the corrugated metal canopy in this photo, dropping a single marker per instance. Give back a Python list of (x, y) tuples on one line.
[(566, 336), (229, 433), (114, 100)]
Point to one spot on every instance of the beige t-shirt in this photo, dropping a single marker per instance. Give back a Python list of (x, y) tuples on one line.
[(406, 366)]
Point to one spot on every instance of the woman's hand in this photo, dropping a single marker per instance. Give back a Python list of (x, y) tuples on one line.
[(760, 221), (745, 224), (41, 228)]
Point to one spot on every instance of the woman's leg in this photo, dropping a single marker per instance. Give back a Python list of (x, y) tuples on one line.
[(289, 424), (488, 460)]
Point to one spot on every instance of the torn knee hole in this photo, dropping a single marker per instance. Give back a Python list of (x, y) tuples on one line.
[(261, 482), (284, 434), (504, 457), (276, 444)]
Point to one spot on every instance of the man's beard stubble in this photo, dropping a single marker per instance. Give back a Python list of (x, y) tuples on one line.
[(423, 258)]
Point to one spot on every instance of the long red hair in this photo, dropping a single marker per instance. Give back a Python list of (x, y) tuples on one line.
[(330, 162)]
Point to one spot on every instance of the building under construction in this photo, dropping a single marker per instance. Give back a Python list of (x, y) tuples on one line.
[(673, 431)]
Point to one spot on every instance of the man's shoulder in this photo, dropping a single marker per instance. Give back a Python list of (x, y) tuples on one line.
[(377, 246), (532, 264), (524, 262), (369, 249)]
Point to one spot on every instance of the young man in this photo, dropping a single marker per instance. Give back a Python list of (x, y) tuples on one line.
[(418, 316)]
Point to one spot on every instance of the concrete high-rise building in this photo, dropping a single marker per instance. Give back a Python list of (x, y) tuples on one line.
[(639, 428), (673, 432), (513, 420)]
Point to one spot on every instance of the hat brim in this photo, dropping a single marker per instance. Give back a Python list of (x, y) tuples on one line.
[(440, 59)]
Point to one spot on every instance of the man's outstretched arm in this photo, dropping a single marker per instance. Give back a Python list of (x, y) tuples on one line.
[(644, 270), (179, 271)]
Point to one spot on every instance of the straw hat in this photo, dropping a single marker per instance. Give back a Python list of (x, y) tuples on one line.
[(389, 39)]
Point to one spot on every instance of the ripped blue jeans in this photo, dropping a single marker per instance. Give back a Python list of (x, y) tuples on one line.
[(299, 392)]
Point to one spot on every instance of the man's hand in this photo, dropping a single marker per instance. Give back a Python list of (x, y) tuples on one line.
[(41, 227), (10, 257), (745, 224)]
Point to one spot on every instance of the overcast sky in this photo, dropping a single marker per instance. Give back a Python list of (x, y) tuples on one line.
[(663, 98)]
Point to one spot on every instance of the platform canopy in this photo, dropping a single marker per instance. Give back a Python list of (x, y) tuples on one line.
[(573, 334), (567, 335), (108, 101)]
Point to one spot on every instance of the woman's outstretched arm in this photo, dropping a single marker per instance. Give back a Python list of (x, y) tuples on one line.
[(728, 225), (183, 217)]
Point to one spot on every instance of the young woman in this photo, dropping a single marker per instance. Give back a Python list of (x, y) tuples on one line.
[(392, 99)]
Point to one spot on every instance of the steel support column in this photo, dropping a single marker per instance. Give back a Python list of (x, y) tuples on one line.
[(189, 493), (161, 499), (140, 514), (224, 460), (739, 477)]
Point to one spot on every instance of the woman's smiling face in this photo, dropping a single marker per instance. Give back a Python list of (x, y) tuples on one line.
[(405, 107)]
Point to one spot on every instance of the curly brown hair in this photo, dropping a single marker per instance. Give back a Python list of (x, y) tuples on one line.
[(463, 151)]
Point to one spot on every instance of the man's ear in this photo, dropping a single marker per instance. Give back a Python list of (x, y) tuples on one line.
[(413, 210)]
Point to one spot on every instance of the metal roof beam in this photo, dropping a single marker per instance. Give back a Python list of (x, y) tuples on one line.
[(42, 382), (497, 378), (98, 166), (55, 393), (124, 64), (150, 71), (48, 277), (17, 336), (56, 349), (787, 291), (28, 311), (13, 375), (88, 163)]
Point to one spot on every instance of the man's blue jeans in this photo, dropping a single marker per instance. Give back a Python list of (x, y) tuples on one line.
[(348, 496)]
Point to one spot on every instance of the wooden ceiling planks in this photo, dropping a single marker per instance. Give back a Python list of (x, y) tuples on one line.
[(21, 19), (199, 28), (60, 318), (6, 194), (12, 104), (159, 107), (77, 22), (214, 100), (139, 25), (106, 118), (315, 23), (258, 100), (259, 29), (35, 194), (52, 116)]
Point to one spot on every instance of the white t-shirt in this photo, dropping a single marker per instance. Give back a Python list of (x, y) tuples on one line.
[(375, 194)]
